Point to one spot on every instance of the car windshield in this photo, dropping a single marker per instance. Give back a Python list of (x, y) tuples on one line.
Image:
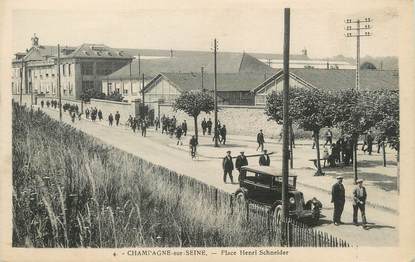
[(272, 181)]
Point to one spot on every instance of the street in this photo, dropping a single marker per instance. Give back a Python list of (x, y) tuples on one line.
[(381, 210)]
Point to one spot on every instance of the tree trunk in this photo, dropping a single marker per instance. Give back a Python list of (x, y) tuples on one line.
[(196, 135), (317, 142), (355, 139), (384, 153)]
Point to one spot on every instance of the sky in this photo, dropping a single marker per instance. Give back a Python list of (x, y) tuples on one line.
[(237, 27)]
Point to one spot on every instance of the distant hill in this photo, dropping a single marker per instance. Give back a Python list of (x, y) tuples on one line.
[(388, 62)]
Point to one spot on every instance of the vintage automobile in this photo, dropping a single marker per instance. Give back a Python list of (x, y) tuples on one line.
[(263, 185)]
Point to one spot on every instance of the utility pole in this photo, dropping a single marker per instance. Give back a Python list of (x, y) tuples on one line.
[(139, 70), (131, 81), (362, 29), (21, 82), (142, 94), (286, 120), (59, 83), (201, 71), (215, 47)]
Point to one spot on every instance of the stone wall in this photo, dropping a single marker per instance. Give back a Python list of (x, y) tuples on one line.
[(239, 120), (107, 107)]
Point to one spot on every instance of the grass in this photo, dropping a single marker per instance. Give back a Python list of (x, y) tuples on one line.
[(71, 191)]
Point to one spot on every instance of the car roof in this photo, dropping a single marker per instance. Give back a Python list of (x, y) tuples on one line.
[(266, 170)]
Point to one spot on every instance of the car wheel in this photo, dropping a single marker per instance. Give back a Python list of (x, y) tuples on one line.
[(277, 215)]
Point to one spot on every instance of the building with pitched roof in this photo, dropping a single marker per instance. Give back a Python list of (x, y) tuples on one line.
[(328, 79), (81, 69), (128, 80)]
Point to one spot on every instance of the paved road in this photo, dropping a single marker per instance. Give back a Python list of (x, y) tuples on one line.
[(159, 149)]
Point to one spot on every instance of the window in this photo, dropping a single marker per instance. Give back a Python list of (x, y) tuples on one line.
[(63, 70), (47, 75), (260, 100), (87, 68), (69, 69), (104, 68)]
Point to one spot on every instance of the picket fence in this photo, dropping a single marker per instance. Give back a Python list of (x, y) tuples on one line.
[(289, 233)]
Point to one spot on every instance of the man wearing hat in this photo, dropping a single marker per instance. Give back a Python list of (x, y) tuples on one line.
[(359, 202), (338, 199), (227, 166), (264, 159), (241, 161)]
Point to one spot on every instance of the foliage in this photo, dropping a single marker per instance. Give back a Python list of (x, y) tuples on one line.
[(193, 103), (367, 65), (386, 109)]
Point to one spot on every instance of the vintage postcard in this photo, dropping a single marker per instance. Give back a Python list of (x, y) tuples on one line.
[(200, 130)]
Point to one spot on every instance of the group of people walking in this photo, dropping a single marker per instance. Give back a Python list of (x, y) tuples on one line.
[(241, 160), (359, 201)]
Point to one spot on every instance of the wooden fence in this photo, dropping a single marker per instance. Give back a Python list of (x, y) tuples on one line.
[(290, 233)]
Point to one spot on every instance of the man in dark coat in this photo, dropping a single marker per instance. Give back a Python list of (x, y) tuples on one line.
[(223, 134), (264, 159), (193, 144), (143, 127), (184, 127), (209, 126), (110, 118), (100, 115), (359, 202), (117, 118), (241, 161), (42, 103), (204, 126), (260, 140), (227, 165), (338, 199), (369, 142)]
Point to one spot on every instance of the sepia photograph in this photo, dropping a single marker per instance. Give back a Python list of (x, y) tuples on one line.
[(186, 130)]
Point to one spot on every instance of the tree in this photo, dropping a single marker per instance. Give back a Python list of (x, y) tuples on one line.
[(354, 115), (367, 65), (193, 103), (310, 109)]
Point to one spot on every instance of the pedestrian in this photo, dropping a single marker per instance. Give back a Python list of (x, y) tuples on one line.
[(134, 124), (260, 140), (325, 155), (227, 165), (73, 117), (328, 135), (193, 144), (184, 127), (42, 103), (313, 136), (179, 133), (110, 118), (204, 126), (369, 142), (359, 202), (241, 161), (130, 121), (338, 199), (100, 115), (380, 140), (264, 159), (79, 116), (209, 126), (117, 118), (87, 113), (47, 104), (216, 135), (143, 128), (157, 123), (223, 134)]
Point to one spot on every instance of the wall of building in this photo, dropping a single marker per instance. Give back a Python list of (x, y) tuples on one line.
[(238, 98), (239, 120)]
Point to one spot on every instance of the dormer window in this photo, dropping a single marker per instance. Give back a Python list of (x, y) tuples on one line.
[(121, 53), (98, 53), (86, 53)]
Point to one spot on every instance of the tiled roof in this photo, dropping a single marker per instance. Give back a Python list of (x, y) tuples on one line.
[(346, 78), (226, 63), (340, 79), (225, 82), (98, 51)]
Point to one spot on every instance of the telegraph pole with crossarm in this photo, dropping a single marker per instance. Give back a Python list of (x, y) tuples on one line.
[(357, 28)]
